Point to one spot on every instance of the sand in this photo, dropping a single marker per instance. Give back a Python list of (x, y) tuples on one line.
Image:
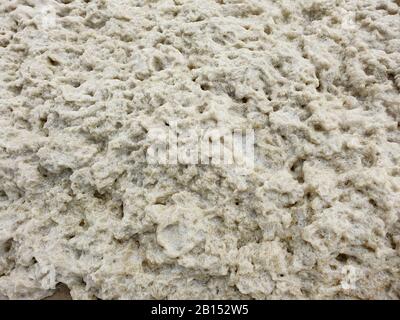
[(86, 87)]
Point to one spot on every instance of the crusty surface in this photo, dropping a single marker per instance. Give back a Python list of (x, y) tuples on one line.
[(82, 83)]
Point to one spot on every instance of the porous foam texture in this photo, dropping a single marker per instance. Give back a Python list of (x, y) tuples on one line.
[(81, 84)]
